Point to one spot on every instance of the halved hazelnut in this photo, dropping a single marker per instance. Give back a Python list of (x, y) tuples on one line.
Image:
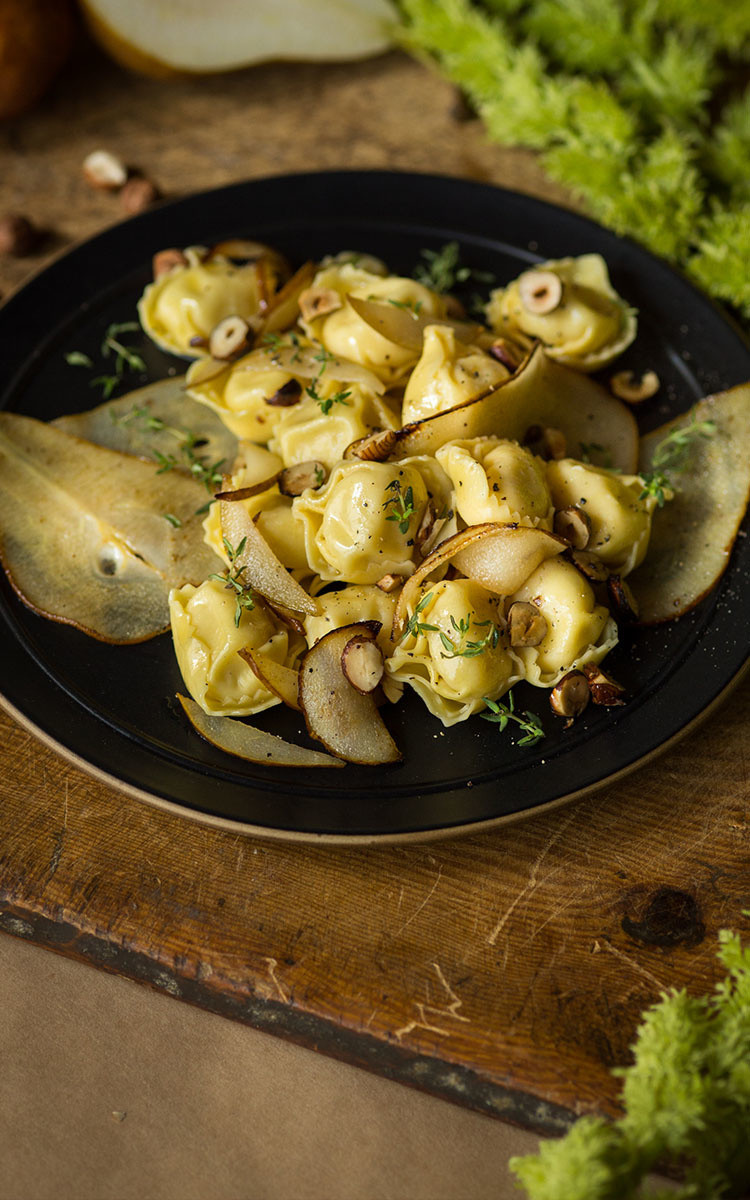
[(18, 235), (425, 526), (570, 696), (390, 583), (138, 194), (546, 441), (375, 447), (633, 388), (527, 626), (362, 663), (293, 481), (621, 599), (104, 171), (229, 338), (604, 689), (318, 302), (165, 261), (288, 394), (573, 524), (590, 565), (508, 353), (540, 291)]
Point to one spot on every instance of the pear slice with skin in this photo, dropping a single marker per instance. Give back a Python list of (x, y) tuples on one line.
[(405, 326), (261, 568), (84, 534), (693, 534), (118, 425), (280, 680), (255, 745), (542, 392)]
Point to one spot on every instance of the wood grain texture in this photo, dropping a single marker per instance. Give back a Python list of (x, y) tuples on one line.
[(505, 971)]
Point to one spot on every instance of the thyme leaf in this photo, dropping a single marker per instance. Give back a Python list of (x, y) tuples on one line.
[(671, 454), (234, 582), (502, 714), (403, 505)]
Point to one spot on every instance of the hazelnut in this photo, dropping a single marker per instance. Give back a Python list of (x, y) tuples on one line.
[(527, 626), (389, 583), (573, 524), (621, 599), (590, 565), (362, 663), (546, 442), (286, 396), (508, 353), (628, 386), (604, 689), (104, 171), (165, 261), (138, 194), (570, 696), (18, 235), (375, 447), (229, 338), (293, 481), (540, 291), (318, 302)]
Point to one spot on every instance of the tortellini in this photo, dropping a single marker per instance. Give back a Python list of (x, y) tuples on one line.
[(345, 333), (448, 373), (619, 514), (180, 309), (455, 653), (588, 326), (250, 396), (579, 630), (207, 638), (305, 433), (497, 480), (362, 525), (348, 605)]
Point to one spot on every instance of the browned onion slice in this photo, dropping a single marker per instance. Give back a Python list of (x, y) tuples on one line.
[(343, 719), (542, 392), (255, 745)]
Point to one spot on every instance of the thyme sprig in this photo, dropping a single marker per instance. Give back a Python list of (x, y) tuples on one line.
[(403, 505), (233, 579), (414, 626), (462, 647), (441, 269), (671, 454), (413, 307), (126, 359), (502, 714), (207, 473), (325, 403)]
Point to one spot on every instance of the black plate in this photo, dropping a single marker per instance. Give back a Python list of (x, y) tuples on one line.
[(113, 707)]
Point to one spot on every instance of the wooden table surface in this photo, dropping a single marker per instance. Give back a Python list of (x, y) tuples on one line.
[(505, 971)]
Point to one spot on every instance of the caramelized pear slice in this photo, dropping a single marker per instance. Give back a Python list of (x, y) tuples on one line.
[(262, 569), (342, 718), (92, 537), (278, 679), (542, 392), (499, 557), (255, 745), (127, 424), (693, 534), (405, 326)]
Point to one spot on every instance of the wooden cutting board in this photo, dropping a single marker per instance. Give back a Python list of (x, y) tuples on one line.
[(505, 971)]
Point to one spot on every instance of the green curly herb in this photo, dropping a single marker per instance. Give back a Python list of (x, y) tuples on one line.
[(233, 579), (502, 714), (403, 505), (672, 454)]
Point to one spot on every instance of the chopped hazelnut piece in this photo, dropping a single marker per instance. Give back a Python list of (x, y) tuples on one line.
[(628, 386), (425, 528), (573, 524), (104, 171), (527, 626), (546, 441), (590, 565), (165, 261), (288, 394), (621, 599), (540, 291), (138, 194), (570, 696), (604, 689), (375, 447), (362, 663), (389, 583), (293, 481), (508, 353), (318, 302), (229, 338), (18, 235)]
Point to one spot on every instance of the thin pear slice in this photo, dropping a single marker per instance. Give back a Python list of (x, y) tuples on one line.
[(693, 534), (283, 309), (343, 719), (255, 745), (278, 679), (262, 569), (542, 392), (124, 424), (405, 326), (499, 557)]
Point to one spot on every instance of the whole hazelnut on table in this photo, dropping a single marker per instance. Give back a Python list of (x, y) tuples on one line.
[(18, 235), (138, 194)]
